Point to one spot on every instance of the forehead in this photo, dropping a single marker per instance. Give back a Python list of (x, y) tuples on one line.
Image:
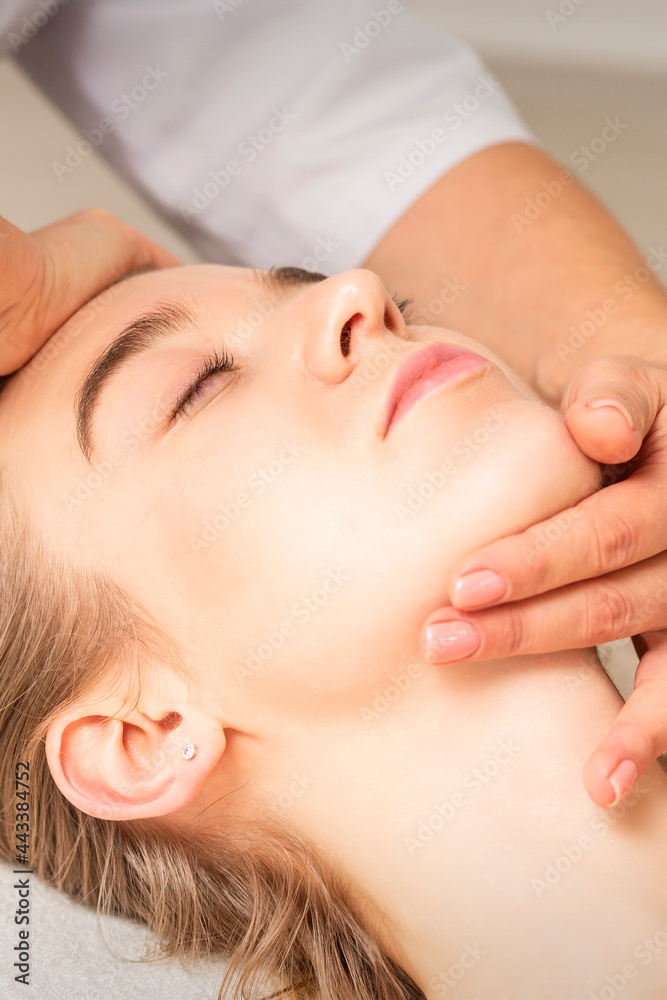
[(37, 404), (59, 365)]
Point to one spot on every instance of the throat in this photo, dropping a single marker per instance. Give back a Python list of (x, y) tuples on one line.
[(461, 821)]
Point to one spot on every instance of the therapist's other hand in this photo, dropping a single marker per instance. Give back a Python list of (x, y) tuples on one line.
[(46, 275), (589, 575)]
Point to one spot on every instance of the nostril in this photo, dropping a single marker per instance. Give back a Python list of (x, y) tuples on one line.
[(345, 335)]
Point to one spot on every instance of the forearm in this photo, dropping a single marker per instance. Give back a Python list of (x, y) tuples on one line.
[(548, 293)]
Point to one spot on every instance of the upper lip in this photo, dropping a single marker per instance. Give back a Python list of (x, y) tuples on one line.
[(412, 369)]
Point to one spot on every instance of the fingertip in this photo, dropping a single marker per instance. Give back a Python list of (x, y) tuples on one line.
[(449, 641), (622, 779), (604, 430), (478, 589), (599, 790), (615, 406), (608, 784)]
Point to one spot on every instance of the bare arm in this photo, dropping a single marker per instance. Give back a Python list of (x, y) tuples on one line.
[(547, 294)]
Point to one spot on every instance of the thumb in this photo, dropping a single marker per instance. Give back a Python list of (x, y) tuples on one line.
[(610, 406), (50, 273)]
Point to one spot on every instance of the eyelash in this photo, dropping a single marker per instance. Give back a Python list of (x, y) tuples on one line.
[(403, 304), (216, 363), (212, 365)]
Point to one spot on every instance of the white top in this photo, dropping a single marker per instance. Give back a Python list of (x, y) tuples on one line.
[(267, 131)]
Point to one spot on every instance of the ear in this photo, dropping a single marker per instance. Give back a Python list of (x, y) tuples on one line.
[(132, 767)]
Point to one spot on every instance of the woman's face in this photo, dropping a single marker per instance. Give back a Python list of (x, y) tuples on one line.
[(272, 527)]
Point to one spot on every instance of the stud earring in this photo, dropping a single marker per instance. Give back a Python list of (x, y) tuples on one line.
[(189, 751)]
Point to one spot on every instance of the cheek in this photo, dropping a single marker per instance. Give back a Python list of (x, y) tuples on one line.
[(503, 477), (309, 572), (286, 588)]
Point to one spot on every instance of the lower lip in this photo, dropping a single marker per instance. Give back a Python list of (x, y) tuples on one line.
[(456, 369)]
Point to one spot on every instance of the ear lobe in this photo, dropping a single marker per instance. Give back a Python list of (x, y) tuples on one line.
[(119, 769)]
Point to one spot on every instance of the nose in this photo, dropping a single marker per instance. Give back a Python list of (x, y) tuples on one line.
[(342, 318)]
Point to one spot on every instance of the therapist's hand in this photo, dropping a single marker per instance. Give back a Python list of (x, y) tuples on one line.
[(599, 570), (46, 275)]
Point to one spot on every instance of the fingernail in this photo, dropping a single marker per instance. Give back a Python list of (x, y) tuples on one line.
[(484, 586), (448, 641), (623, 778), (612, 404)]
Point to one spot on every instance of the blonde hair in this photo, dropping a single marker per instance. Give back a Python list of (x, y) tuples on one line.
[(258, 896)]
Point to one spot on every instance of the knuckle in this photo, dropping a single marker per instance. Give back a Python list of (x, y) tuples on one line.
[(536, 566), (601, 373), (97, 215), (607, 613), (613, 542), (636, 738), (510, 638)]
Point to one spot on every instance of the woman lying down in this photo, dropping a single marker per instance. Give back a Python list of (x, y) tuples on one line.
[(213, 584)]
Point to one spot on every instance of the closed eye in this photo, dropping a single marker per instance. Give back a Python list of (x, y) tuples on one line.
[(211, 366), (403, 304)]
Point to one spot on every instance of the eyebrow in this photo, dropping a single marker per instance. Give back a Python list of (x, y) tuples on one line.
[(167, 320)]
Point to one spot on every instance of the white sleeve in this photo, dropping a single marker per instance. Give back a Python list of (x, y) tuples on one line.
[(270, 133)]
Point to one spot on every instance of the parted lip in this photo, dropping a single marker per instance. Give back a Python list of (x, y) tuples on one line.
[(414, 367)]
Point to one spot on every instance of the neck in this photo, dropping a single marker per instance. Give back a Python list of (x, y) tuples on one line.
[(456, 808)]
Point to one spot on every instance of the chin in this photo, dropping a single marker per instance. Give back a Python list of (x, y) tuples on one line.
[(530, 470), (537, 471)]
